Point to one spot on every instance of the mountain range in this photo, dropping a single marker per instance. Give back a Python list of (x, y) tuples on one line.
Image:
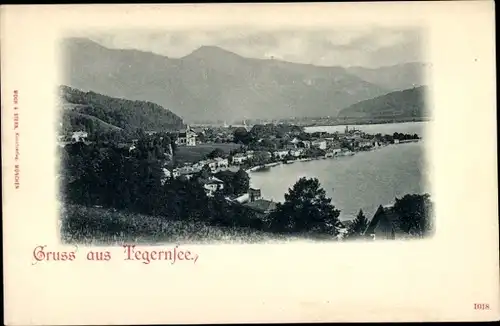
[(215, 84)]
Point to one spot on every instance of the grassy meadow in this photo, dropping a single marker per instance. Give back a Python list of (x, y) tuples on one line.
[(102, 226), (188, 154)]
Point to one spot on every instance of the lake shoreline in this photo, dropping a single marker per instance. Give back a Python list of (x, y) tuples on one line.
[(268, 166), (352, 190)]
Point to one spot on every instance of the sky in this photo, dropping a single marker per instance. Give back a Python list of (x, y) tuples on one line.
[(367, 47)]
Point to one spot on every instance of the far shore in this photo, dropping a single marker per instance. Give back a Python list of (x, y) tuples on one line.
[(357, 123), (325, 122)]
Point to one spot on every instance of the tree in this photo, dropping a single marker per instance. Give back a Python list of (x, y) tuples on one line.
[(205, 172), (227, 177), (241, 135), (216, 153), (414, 214), (306, 209), (358, 226), (241, 182)]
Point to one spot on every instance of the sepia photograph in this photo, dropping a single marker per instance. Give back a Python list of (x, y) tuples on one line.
[(244, 135)]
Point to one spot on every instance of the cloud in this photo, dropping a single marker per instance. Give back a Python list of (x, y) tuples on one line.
[(368, 46)]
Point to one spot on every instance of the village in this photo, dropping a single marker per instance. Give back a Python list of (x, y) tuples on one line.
[(257, 155)]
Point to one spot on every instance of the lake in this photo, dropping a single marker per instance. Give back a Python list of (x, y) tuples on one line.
[(363, 181)]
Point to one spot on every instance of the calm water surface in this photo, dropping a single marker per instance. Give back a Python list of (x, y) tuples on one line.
[(363, 181)]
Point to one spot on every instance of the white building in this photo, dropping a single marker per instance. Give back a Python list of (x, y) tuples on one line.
[(239, 159), (212, 185), (365, 143), (321, 144), (222, 163), (187, 138), (212, 164), (79, 136), (185, 171), (296, 152), (218, 163), (281, 154)]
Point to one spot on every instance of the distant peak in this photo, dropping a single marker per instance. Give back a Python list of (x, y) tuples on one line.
[(209, 50), (81, 41)]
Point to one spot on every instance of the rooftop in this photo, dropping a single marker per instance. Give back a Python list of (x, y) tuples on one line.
[(262, 205), (212, 180)]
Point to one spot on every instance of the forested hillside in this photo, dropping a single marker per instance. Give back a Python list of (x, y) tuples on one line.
[(98, 113)]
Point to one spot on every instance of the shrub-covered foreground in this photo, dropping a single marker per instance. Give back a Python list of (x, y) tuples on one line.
[(94, 225)]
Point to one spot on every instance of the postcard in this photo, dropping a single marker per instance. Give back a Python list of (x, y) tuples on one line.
[(245, 163)]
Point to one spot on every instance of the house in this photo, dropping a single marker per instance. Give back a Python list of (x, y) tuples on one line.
[(249, 154), (239, 159), (216, 164), (384, 225), (365, 143), (262, 207), (319, 143), (211, 185), (334, 149), (187, 137), (396, 141), (222, 163), (296, 152), (295, 141), (281, 154), (186, 171), (78, 136)]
